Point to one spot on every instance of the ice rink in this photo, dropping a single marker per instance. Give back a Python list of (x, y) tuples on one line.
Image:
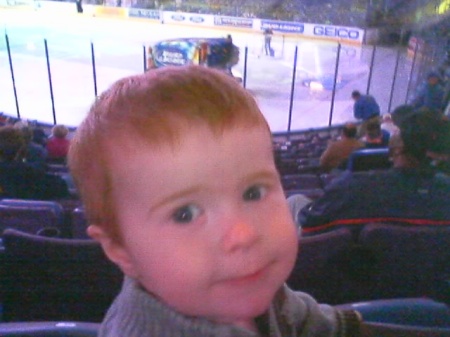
[(118, 47)]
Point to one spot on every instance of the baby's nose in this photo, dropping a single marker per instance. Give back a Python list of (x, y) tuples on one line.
[(239, 235)]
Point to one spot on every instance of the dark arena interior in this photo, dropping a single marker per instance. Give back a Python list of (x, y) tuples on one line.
[(357, 97)]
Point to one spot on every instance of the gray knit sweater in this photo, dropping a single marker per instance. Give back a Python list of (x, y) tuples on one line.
[(135, 313)]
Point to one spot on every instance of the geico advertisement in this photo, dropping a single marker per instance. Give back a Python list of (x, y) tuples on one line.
[(335, 32)]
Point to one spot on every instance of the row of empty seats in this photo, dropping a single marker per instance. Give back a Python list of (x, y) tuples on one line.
[(49, 218), (383, 261), (313, 184), (45, 278), (412, 316)]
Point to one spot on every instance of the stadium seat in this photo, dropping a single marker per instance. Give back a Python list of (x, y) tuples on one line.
[(327, 178), (316, 271), (369, 159), (413, 260), (79, 224), (33, 216), (57, 168), (53, 279), (423, 312), (301, 181), (49, 329)]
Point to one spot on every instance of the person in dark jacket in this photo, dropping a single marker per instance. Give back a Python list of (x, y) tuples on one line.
[(365, 109), (412, 191), (375, 136)]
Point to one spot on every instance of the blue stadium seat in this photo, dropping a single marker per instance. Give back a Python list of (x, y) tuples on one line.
[(412, 260), (49, 329), (79, 224), (423, 312), (53, 279), (369, 159), (315, 270), (33, 216)]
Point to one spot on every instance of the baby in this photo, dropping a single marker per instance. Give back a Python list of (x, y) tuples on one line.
[(176, 172)]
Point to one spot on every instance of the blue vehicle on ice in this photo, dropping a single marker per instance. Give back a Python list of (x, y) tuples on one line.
[(219, 53)]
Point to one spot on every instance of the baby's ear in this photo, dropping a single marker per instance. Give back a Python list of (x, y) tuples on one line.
[(115, 251)]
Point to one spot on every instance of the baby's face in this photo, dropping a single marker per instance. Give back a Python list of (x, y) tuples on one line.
[(206, 226)]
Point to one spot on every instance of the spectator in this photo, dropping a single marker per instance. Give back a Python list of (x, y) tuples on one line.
[(4, 120), (402, 114), (12, 144), (58, 144), (431, 95), (34, 154), (387, 123), (39, 136), (337, 152), (375, 136), (413, 189), (18, 179)]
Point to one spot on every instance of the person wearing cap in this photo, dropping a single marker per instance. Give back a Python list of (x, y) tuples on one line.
[(431, 95)]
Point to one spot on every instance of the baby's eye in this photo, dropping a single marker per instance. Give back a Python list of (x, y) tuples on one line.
[(186, 214), (254, 193)]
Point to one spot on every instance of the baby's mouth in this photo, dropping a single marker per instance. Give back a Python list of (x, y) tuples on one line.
[(248, 277)]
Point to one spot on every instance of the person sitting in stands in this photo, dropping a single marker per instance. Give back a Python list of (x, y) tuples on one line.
[(401, 114), (337, 152), (175, 169), (431, 95), (39, 136), (35, 154), (412, 191), (18, 179), (387, 123), (375, 136), (58, 144)]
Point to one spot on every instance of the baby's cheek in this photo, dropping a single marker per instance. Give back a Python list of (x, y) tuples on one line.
[(289, 246)]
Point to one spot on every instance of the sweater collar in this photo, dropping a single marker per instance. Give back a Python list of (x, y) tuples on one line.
[(135, 304)]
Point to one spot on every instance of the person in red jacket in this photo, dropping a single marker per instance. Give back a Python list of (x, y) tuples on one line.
[(58, 144)]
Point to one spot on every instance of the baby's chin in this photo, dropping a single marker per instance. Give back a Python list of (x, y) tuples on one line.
[(244, 309)]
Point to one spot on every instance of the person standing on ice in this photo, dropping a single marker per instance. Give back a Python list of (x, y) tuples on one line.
[(268, 33)]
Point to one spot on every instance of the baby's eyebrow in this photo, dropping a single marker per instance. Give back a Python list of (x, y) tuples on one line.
[(176, 195), (263, 174)]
